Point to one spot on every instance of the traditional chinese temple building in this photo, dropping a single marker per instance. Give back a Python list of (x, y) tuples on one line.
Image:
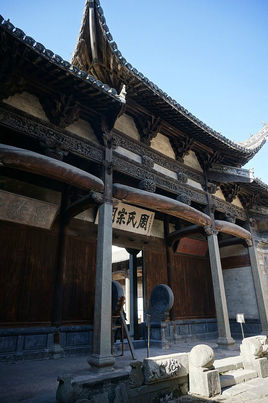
[(93, 154)]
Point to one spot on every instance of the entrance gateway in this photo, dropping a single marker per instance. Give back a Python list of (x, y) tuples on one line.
[(97, 135)]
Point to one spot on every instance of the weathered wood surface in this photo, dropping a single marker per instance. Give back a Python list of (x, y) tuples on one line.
[(232, 229), (191, 283), (160, 203), (39, 164), (155, 268), (28, 274), (190, 230), (233, 262)]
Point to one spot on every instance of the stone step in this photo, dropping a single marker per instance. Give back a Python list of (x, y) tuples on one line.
[(237, 376), (228, 364)]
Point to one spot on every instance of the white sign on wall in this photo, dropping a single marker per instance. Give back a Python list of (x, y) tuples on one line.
[(130, 218), (240, 318)]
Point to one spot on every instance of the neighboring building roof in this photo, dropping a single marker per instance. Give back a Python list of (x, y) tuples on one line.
[(97, 52)]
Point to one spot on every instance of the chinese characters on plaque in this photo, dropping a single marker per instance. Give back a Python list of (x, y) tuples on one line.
[(132, 219), (25, 210)]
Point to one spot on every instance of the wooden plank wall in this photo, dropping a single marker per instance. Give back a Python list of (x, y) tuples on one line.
[(27, 276), (155, 268), (191, 282)]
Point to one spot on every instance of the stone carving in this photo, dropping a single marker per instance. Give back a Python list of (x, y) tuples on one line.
[(136, 377), (184, 198), (253, 351), (161, 301), (148, 185), (164, 367), (204, 380), (65, 392)]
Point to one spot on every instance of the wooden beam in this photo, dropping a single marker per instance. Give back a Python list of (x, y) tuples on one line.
[(39, 164), (232, 229), (82, 204), (190, 230), (231, 241), (160, 203)]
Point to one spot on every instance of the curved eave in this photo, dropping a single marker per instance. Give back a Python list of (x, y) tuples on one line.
[(14, 39), (146, 92)]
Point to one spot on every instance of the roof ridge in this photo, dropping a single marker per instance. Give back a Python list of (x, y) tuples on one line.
[(173, 103)]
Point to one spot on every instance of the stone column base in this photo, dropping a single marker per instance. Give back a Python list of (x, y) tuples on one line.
[(101, 363)]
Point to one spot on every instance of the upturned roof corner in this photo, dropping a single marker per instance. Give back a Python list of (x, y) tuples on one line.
[(97, 53)]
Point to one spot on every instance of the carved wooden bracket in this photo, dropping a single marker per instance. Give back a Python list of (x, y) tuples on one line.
[(148, 128), (207, 160), (249, 200), (181, 147), (230, 191), (210, 187), (61, 109)]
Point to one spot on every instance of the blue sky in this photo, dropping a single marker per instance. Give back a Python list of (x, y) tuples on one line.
[(210, 55)]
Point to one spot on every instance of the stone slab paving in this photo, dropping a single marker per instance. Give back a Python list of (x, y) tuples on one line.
[(35, 381)]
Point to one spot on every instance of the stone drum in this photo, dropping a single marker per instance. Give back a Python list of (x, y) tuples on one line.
[(161, 302)]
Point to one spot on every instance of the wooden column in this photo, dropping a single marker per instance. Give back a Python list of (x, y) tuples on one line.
[(218, 289), (262, 299), (101, 355)]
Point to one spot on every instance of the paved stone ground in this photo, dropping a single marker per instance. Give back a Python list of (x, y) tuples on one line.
[(35, 381)]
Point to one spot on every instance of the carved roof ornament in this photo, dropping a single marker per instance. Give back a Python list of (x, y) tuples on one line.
[(181, 146), (148, 128), (257, 140), (61, 109), (230, 191)]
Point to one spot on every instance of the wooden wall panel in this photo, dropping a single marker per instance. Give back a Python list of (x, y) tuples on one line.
[(27, 273), (191, 283), (155, 268), (79, 280)]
